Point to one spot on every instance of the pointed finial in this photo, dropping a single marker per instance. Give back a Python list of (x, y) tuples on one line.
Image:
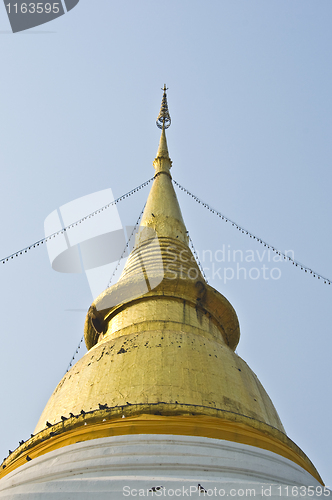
[(164, 119)]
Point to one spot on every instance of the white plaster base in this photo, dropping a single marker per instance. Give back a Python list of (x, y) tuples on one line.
[(123, 467)]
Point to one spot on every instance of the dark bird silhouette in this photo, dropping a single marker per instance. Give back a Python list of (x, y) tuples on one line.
[(128, 403), (21, 442), (32, 435), (10, 452), (102, 407), (82, 412), (63, 418), (200, 488), (28, 458), (71, 415), (48, 424), (156, 488)]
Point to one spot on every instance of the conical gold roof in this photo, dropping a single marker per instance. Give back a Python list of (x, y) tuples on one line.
[(161, 354)]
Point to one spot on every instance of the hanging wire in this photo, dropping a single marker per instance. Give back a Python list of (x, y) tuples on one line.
[(198, 200), (251, 235), (76, 352), (197, 258), (110, 281), (62, 231)]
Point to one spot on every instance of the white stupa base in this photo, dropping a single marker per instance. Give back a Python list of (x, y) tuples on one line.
[(162, 466)]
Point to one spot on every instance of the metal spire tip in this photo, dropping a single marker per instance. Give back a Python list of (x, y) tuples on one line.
[(164, 119)]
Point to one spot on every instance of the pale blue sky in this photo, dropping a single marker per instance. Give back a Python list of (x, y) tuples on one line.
[(250, 99)]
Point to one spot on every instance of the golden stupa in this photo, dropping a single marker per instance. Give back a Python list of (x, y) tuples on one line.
[(160, 354)]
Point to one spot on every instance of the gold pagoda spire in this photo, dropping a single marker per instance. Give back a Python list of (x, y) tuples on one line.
[(161, 347), (162, 213)]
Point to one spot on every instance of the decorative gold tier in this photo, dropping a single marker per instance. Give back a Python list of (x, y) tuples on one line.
[(160, 268), (159, 419), (156, 360)]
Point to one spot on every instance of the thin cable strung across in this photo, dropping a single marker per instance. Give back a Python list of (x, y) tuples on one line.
[(275, 250), (110, 281), (62, 231), (197, 259), (126, 246), (198, 200), (73, 357)]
